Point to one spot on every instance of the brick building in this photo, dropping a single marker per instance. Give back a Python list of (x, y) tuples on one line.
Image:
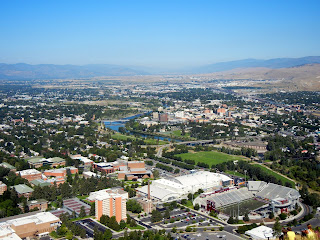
[(60, 172), (41, 204), (30, 174), (23, 190)]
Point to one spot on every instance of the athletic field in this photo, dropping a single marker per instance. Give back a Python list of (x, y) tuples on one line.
[(244, 207), (210, 157)]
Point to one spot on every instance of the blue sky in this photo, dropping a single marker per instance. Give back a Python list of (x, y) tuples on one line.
[(156, 33)]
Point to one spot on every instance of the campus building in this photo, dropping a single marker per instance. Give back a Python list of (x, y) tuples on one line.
[(134, 170), (23, 190), (179, 187), (110, 202), (28, 225), (3, 187), (37, 162), (60, 172), (273, 198), (40, 204), (30, 174)]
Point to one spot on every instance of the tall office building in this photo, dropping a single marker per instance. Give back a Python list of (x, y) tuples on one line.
[(110, 202)]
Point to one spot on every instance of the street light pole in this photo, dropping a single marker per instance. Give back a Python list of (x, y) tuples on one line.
[(245, 177)]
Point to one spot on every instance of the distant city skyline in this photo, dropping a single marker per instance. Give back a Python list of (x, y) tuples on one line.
[(164, 34)]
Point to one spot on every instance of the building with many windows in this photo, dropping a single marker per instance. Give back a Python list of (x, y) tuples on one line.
[(110, 202)]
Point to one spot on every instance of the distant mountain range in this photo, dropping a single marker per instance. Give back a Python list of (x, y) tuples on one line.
[(23, 71), (254, 63)]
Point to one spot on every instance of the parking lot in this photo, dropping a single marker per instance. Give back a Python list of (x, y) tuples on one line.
[(89, 225), (208, 236), (181, 218)]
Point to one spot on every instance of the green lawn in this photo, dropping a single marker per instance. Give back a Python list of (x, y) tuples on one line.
[(119, 136), (177, 133), (189, 204), (244, 207), (138, 227), (210, 157), (278, 176), (236, 174)]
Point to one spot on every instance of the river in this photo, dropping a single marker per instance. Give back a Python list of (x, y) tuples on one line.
[(116, 124)]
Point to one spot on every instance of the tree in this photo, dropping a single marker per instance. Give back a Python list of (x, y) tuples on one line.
[(93, 209), (107, 234), (82, 212), (283, 216), (133, 223), (184, 201), (246, 217), (271, 215), (134, 206), (128, 219), (69, 176), (66, 190), (123, 224), (190, 196), (156, 216), (277, 228), (104, 219), (188, 229), (231, 220), (166, 214), (196, 206), (156, 174), (113, 224)]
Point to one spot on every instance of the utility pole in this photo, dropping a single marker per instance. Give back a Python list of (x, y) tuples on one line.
[(245, 177)]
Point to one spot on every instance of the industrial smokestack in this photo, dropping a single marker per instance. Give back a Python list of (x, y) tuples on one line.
[(149, 197)]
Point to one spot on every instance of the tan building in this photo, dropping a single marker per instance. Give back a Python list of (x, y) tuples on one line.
[(110, 202), (30, 174), (41, 204), (37, 162), (3, 188), (35, 225), (134, 170)]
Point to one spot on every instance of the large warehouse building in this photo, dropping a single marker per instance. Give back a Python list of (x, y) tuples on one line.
[(179, 187)]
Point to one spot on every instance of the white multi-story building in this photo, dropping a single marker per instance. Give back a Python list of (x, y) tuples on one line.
[(110, 202)]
